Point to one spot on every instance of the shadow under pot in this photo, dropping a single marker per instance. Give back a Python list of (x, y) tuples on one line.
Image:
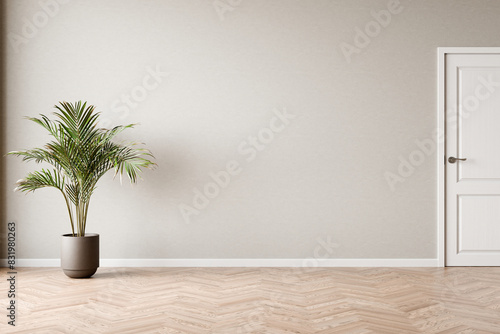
[(80, 255)]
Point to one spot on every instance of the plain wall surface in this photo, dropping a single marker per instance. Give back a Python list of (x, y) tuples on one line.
[(224, 70)]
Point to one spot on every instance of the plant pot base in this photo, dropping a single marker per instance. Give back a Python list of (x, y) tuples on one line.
[(79, 273), (80, 255)]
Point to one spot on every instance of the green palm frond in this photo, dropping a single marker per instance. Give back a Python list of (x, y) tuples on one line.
[(41, 179), (80, 153), (130, 160), (37, 154)]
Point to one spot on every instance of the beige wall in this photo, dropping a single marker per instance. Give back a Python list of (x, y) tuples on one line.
[(224, 70)]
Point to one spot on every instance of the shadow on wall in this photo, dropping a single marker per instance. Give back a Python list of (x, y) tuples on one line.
[(3, 190)]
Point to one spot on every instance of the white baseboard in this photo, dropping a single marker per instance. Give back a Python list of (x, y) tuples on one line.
[(239, 263)]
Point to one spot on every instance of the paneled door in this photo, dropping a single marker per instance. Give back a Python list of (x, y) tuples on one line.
[(472, 158)]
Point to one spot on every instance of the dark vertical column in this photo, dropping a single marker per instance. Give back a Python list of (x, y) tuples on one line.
[(3, 101)]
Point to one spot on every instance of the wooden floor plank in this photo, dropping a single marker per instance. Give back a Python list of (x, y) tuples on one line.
[(256, 300)]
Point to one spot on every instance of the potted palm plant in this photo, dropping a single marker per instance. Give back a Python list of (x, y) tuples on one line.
[(79, 155)]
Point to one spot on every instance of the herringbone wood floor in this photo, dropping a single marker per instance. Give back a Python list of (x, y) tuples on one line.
[(256, 300)]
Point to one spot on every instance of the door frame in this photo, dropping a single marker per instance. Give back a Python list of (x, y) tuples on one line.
[(441, 140)]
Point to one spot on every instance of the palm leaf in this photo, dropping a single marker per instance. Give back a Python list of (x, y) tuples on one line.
[(80, 153), (41, 179)]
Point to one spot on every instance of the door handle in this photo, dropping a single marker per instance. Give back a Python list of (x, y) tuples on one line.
[(452, 160)]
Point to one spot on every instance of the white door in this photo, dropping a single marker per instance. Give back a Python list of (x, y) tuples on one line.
[(472, 128)]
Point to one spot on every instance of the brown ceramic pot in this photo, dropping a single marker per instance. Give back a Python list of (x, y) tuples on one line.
[(80, 255)]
